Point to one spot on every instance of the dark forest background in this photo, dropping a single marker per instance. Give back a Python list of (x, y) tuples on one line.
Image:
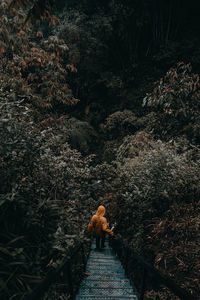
[(100, 104)]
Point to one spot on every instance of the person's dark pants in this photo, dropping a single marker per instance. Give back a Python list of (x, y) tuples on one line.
[(100, 241)]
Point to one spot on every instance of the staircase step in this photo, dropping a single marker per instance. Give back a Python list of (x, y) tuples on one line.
[(106, 283), (108, 272), (113, 297), (106, 259), (103, 263), (85, 291), (105, 251), (115, 276)]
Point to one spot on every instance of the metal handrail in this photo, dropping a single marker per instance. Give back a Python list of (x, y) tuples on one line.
[(147, 268), (52, 276), (117, 245)]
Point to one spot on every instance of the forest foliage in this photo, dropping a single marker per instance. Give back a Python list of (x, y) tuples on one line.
[(176, 98), (64, 70), (33, 68), (155, 202)]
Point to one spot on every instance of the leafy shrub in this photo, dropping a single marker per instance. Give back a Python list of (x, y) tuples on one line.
[(176, 99), (177, 93), (174, 240), (119, 124), (154, 180), (33, 68), (80, 134), (44, 197), (151, 179), (133, 145), (110, 149)]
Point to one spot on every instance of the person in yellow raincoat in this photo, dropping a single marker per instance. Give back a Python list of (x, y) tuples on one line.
[(99, 226)]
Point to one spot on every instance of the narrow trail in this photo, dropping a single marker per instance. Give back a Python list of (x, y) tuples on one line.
[(105, 278)]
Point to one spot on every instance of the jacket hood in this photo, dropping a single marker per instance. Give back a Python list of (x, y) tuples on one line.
[(101, 211)]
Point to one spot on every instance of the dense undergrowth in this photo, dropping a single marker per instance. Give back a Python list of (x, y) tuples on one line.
[(155, 200), (60, 157)]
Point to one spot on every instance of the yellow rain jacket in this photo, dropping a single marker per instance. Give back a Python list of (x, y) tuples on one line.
[(98, 223)]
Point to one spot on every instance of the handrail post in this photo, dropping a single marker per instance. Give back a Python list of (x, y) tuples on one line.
[(83, 253), (142, 290), (69, 274), (127, 258)]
